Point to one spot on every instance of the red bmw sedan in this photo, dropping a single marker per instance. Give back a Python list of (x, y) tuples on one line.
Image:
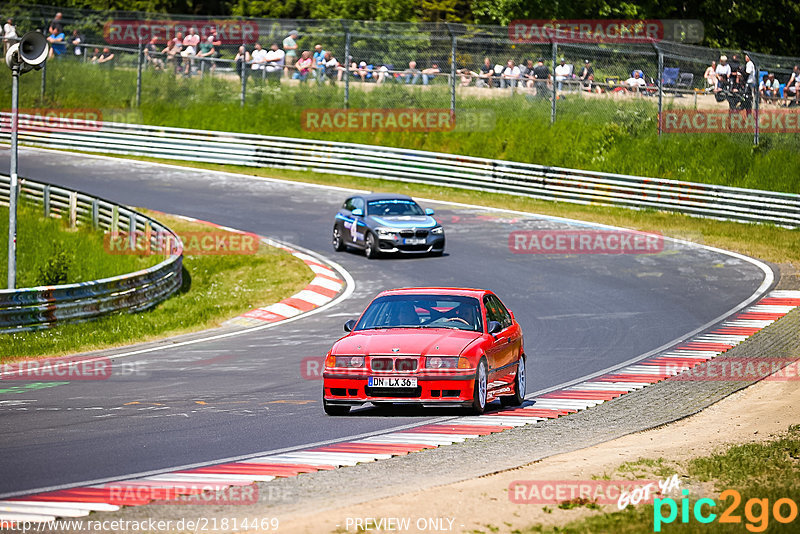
[(430, 346)]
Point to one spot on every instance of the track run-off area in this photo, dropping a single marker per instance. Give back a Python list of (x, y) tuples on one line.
[(246, 394)]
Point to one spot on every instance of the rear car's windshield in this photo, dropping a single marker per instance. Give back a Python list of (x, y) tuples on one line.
[(393, 207), (422, 311)]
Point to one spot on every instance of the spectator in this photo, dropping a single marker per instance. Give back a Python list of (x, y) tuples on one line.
[(188, 54), (9, 34), (290, 48), (331, 66), (172, 52), (95, 56), (217, 42), (241, 60), (511, 75), (541, 76), (723, 72), (770, 88), (106, 58), (58, 44), (486, 74), (587, 76), (635, 83), (711, 77), (57, 24), (526, 73), (429, 73), (207, 50), (258, 57), (739, 96), (750, 72), (77, 43), (192, 39), (466, 76), (735, 65), (151, 55), (275, 62), (412, 73), (562, 73), (319, 62), (383, 74), (792, 87), (359, 70), (303, 66)]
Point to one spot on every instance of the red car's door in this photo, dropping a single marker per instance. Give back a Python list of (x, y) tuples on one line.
[(504, 351)]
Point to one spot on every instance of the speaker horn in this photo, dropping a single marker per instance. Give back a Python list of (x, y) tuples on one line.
[(31, 52)]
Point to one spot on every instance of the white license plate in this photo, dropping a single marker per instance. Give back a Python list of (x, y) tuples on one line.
[(391, 382), (414, 241)]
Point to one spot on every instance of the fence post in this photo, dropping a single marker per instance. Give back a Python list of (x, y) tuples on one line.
[(660, 90), (73, 209), (95, 214), (132, 230), (346, 65), (453, 45), (44, 82), (46, 201), (555, 93), (244, 76), (757, 101), (139, 62)]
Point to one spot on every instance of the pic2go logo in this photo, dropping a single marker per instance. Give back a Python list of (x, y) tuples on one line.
[(756, 511)]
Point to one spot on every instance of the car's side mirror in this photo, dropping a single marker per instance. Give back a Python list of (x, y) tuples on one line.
[(349, 325), (428, 211), (358, 212), (494, 327)]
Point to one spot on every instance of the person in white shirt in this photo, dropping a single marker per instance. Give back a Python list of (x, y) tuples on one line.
[(9, 34), (711, 77), (750, 70), (723, 71), (635, 83), (259, 57), (562, 72), (511, 75), (274, 58)]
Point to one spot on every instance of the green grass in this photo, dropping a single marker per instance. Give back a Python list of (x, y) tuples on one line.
[(49, 252), (597, 134), (769, 470), (215, 288)]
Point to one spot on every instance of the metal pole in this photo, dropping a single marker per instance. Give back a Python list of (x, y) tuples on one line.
[(244, 76), (757, 99), (660, 90), (44, 81), (555, 94), (346, 66), (453, 74), (139, 75), (12, 191)]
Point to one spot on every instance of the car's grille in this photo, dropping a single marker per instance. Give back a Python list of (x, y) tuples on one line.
[(413, 233), (381, 364), (405, 364), (405, 393)]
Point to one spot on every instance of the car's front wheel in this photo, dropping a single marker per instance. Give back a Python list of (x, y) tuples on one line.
[(480, 391), (338, 242), (371, 246), (519, 386)]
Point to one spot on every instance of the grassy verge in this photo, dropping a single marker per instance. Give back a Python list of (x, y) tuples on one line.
[(590, 133), (49, 252), (766, 242), (769, 470), (215, 288)]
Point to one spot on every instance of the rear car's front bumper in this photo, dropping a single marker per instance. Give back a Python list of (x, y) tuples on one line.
[(455, 389), (433, 243)]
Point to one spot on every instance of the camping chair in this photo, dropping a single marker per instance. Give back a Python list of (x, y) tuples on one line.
[(670, 77)]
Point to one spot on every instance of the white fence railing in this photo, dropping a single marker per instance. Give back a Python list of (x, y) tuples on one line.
[(42, 307), (466, 172)]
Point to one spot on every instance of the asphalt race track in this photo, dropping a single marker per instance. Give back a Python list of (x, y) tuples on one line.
[(245, 394)]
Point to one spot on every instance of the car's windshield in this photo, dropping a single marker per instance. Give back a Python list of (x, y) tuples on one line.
[(393, 207), (422, 311)]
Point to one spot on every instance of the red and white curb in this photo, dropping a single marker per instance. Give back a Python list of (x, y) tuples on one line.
[(325, 287), (178, 485)]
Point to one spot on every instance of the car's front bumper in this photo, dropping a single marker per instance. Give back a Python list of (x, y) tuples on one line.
[(433, 243), (454, 389)]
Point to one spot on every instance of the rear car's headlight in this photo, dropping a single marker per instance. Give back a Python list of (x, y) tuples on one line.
[(345, 361), (443, 362), (438, 230)]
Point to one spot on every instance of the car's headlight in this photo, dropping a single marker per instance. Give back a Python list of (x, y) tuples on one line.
[(438, 230), (445, 362), (345, 361), (386, 232)]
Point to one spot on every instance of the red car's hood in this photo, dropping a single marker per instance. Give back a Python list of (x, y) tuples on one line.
[(423, 341)]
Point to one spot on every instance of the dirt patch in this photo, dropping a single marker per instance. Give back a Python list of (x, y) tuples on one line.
[(482, 504)]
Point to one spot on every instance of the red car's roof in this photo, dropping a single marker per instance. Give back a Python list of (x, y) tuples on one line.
[(451, 291)]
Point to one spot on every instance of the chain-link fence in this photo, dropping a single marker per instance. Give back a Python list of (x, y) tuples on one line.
[(129, 61)]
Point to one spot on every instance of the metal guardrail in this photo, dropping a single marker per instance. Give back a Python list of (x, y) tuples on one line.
[(465, 172), (42, 307)]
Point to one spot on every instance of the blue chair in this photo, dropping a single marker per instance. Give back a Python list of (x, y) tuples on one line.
[(670, 78)]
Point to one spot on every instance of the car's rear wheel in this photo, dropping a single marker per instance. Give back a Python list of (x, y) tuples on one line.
[(371, 246), (338, 242), (335, 409), (519, 386), (481, 388)]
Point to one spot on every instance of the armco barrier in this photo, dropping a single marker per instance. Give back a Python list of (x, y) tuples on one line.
[(42, 307), (467, 172)]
